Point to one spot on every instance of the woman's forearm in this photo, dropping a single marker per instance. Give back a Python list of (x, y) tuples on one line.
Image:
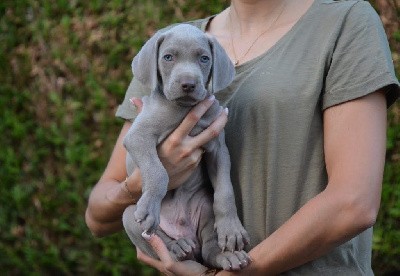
[(322, 224), (108, 201), (109, 197)]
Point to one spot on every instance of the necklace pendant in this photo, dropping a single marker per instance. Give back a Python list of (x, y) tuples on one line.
[(236, 63)]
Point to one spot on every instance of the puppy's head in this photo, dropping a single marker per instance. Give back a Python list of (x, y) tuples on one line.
[(183, 63)]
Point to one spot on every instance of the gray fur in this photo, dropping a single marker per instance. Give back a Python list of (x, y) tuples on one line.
[(183, 66)]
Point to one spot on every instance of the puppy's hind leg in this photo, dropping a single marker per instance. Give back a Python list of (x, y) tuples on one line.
[(134, 232), (179, 249)]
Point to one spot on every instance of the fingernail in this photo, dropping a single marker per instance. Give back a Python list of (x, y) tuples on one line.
[(226, 110), (132, 101), (211, 98)]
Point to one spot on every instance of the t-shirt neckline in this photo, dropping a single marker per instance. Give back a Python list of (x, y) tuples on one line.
[(285, 37)]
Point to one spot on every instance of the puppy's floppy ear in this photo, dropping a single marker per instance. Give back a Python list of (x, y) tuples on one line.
[(223, 70), (145, 63)]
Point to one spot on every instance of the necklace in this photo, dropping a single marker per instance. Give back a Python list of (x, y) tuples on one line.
[(237, 60)]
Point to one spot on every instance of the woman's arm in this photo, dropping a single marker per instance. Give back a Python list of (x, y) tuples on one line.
[(179, 153), (354, 141), (109, 197)]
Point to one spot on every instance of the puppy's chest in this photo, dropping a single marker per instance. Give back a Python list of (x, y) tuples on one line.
[(200, 126), (166, 117), (181, 212), (207, 119)]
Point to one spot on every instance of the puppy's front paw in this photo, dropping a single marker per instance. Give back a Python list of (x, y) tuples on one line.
[(233, 260), (182, 248), (231, 234), (148, 212)]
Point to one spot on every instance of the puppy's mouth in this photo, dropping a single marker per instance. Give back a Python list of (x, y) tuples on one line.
[(186, 101)]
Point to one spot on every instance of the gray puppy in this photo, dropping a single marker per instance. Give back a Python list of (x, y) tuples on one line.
[(183, 66)]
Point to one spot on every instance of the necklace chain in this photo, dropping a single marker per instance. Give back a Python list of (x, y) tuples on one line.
[(237, 60)]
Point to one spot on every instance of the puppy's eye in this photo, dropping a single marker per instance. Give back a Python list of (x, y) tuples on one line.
[(204, 59), (168, 57)]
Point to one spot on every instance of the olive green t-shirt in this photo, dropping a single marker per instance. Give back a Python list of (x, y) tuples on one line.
[(336, 52)]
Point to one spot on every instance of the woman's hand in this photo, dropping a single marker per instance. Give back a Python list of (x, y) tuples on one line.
[(166, 265), (180, 153)]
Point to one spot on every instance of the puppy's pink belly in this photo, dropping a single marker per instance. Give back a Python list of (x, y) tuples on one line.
[(178, 226), (180, 216)]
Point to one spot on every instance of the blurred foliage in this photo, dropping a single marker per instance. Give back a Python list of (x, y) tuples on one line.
[(64, 67)]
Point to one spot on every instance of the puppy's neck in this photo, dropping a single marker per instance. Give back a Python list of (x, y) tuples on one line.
[(159, 96), (159, 93)]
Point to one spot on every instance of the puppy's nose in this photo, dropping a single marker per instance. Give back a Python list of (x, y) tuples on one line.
[(188, 86)]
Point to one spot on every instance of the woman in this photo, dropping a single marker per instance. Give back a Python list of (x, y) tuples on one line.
[(306, 134)]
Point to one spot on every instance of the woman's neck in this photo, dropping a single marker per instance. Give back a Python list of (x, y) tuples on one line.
[(252, 15), (248, 28)]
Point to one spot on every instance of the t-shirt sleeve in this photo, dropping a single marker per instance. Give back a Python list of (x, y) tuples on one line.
[(361, 61), (126, 110)]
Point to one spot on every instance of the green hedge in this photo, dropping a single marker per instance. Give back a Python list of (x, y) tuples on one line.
[(64, 67)]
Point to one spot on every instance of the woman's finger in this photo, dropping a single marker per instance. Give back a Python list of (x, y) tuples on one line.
[(171, 266), (194, 159), (212, 131), (193, 117), (149, 260), (159, 248)]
